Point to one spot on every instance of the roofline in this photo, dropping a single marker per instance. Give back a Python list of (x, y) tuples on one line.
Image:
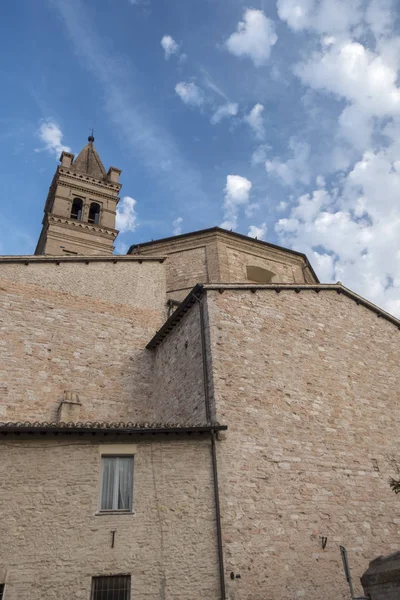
[(104, 429), (114, 258), (200, 289), (234, 233)]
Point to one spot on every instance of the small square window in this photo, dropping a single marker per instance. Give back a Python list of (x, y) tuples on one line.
[(116, 483), (1, 591), (113, 587)]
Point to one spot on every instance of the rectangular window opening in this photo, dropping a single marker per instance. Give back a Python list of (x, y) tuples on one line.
[(1, 591), (112, 587), (117, 483)]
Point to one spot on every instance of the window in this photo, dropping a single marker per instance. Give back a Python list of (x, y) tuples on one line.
[(76, 210), (113, 587), (94, 213), (1, 591), (259, 274), (117, 483)]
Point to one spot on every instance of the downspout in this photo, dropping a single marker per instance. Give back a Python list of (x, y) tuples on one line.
[(213, 451)]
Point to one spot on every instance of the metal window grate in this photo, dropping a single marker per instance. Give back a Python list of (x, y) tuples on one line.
[(1, 590), (113, 587)]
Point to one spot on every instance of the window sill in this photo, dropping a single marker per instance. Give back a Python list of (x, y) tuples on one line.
[(103, 513)]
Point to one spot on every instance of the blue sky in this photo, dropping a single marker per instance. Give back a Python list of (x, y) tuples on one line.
[(277, 118)]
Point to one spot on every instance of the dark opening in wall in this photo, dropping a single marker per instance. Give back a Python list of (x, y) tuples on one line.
[(94, 213), (76, 210)]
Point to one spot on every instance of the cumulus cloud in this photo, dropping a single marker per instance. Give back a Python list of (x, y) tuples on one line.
[(189, 93), (254, 37), (126, 215), (349, 221), (255, 120), (322, 15), (177, 226), (51, 135), (169, 46), (353, 234), (295, 169), (230, 109), (258, 231), (237, 193)]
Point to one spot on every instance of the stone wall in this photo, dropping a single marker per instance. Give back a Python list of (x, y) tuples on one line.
[(178, 373), (381, 581), (53, 541), (215, 256), (78, 327), (308, 386)]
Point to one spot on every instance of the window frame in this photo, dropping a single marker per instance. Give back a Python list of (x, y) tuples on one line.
[(116, 455), (95, 578)]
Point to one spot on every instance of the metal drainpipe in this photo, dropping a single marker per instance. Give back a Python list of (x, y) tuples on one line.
[(213, 453)]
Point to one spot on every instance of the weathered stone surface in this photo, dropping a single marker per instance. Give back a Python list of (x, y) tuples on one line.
[(307, 383), (82, 327), (308, 386), (381, 581), (53, 540)]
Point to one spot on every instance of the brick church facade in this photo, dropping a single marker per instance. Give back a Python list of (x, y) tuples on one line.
[(198, 419)]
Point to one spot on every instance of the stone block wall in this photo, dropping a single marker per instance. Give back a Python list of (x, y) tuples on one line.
[(54, 542), (308, 385), (215, 256), (82, 328), (178, 395), (381, 581)]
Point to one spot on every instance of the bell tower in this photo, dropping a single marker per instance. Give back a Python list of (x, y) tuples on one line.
[(80, 210)]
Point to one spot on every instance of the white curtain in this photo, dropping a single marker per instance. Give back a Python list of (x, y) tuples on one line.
[(125, 473), (107, 492), (116, 493)]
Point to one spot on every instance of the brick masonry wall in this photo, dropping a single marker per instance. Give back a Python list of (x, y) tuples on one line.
[(81, 328), (53, 542), (308, 385), (178, 373)]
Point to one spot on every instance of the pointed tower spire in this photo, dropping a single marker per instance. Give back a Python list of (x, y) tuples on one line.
[(88, 161), (81, 206)]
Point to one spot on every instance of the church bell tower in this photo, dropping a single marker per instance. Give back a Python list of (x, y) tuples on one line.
[(80, 210)]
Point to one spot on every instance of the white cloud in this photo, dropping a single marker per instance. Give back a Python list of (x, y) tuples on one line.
[(356, 232), (237, 193), (255, 121), (51, 135), (177, 226), (189, 93), (351, 71), (169, 46), (254, 37), (350, 224), (230, 109), (295, 169), (126, 215), (259, 155), (258, 231), (324, 16)]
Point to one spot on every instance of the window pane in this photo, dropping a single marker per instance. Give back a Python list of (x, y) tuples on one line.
[(115, 587), (107, 492), (125, 472)]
